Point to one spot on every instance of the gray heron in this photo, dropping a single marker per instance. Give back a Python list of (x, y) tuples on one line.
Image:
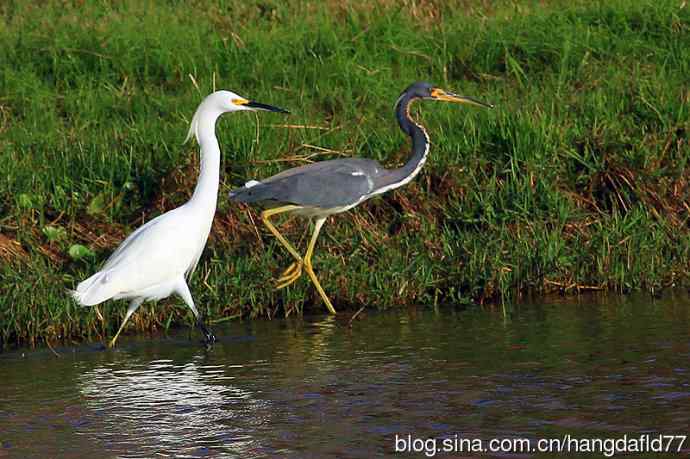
[(325, 188)]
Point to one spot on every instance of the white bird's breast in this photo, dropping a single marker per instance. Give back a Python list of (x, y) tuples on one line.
[(163, 253)]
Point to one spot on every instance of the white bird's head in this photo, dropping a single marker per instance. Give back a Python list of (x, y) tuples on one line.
[(219, 102), (228, 101)]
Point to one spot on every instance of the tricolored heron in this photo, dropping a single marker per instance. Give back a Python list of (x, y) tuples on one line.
[(156, 259), (330, 187)]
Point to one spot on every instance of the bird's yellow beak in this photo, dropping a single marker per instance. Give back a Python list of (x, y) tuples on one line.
[(440, 94)]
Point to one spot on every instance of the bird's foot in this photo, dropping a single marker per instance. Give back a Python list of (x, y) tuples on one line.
[(209, 340), (209, 337), (292, 269), (290, 275)]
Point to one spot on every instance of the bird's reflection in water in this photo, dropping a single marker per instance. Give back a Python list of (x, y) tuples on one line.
[(161, 407)]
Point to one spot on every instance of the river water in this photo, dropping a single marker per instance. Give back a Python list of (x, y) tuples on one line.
[(416, 380)]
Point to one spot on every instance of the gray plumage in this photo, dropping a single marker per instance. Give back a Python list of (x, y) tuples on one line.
[(337, 185), (327, 184)]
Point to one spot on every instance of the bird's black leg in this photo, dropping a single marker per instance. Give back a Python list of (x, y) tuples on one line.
[(209, 337)]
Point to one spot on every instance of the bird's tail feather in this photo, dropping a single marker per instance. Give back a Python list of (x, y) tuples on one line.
[(252, 192), (96, 289)]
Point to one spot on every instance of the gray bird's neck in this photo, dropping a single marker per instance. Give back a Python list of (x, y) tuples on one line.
[(420, 148)]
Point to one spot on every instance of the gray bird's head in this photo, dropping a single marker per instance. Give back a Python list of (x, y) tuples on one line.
[(424, 90)]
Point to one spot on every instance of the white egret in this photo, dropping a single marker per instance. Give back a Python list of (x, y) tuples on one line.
[(156, 259)]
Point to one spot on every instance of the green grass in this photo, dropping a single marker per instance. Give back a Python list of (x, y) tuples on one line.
[(578, 179)]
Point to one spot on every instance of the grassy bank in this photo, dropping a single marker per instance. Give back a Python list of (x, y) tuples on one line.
[(577, 180)]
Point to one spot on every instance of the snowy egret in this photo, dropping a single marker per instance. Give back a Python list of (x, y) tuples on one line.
[(156, 259), (330, 187)]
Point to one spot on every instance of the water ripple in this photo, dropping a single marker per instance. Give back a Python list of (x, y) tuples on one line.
[(314, 388)]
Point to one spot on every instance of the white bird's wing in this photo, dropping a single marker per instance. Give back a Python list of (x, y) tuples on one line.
[(157, 254), (130, 240)]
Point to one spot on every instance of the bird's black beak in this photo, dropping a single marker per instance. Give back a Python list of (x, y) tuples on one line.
[(440, 94), (266, 107)]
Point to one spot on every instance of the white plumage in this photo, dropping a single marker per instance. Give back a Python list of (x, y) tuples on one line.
[(144, 264)]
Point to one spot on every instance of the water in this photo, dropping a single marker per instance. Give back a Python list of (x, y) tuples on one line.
[(315, 387)]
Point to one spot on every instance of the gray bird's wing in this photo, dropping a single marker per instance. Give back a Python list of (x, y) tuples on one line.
[(326, 184)]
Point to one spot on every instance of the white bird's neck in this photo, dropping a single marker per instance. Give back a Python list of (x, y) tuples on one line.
[(206, 192)]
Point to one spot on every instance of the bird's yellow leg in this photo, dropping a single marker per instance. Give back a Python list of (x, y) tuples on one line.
[(308, 267), (294, 271), (130, 310), (112, 341)]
